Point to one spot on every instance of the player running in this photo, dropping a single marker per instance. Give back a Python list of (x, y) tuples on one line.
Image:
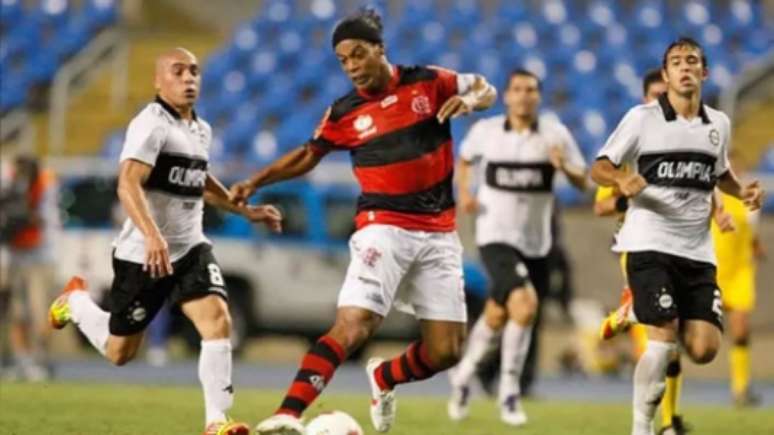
[(395, 125), (519, 154), (161, 252), (737, 253), (677, 149)]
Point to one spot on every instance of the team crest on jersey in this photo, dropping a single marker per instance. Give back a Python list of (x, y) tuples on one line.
[(714, 137), (364, 124), (421, 105)]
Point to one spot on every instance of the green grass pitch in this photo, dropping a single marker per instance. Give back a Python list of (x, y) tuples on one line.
[(84, 409)]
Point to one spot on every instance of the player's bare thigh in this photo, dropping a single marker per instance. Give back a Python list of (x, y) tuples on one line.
[(700, 339)]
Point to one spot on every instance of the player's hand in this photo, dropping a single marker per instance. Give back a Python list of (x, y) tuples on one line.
[(157, 261), (468, 203), (752, 195), (268, 214), (631, 185), (240, 192), (724, 221), (452, 108), (556, 157)]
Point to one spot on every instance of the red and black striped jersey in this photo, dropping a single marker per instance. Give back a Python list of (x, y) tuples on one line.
[(401, 155)]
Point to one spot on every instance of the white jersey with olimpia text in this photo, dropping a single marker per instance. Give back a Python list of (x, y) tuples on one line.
[(681, 160), (516, 193), (178, 150)]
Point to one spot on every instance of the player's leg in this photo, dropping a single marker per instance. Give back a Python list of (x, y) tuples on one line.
[(700, 309), (136, 298), (654, 305), (539, 275), (500, 262), (739, 299), (379, 260), (671, 421)]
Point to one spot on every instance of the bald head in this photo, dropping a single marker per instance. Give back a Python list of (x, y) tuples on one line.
[(177, 78)]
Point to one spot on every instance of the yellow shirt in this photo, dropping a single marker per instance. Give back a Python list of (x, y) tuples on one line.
[(734, 250)]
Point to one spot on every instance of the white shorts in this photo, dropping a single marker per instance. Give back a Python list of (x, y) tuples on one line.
[(418, 271)]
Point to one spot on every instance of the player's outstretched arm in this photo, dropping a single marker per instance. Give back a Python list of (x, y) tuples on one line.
[(216, 195), (480, 96), (751, 194), (293, 164), (131, 177)]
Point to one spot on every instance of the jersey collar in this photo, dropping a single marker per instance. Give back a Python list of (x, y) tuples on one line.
[(671, 115), (171, 110), (508, 127)]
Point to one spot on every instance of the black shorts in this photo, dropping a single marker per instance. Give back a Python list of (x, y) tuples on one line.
[(509, 269), (667, 287), (136, 298)]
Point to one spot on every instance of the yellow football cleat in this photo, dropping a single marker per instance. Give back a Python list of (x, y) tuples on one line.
[(227, 428), (619, 320), (59, 312)]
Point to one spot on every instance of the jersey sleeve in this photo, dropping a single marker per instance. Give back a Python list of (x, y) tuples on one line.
[(144, 139), (450, 83), (471, 147), (621, 146), (721, 164), (323, 140), (603, 193), (571, 148)]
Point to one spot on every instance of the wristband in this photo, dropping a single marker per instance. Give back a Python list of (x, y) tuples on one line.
[(622, 204)]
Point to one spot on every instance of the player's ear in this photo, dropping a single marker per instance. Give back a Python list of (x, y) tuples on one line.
[(664, 76), (380, 49)]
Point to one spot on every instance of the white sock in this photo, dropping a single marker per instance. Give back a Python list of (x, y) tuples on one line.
[(649, 378), (516, 339), (479, 341), (90, 319), (215, 376)]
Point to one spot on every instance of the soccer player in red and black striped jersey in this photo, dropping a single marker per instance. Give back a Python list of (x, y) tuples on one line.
[(395, 124)]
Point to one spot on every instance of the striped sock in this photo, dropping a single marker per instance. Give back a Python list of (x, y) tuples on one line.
[(316, 371), (413, 365)]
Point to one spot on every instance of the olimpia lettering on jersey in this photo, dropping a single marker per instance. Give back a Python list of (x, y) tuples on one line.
[(401, 155), (517, 180), (178, 151), (681, 160)]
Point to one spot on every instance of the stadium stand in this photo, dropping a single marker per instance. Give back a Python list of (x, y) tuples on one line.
[(36, 41), (265, 89)]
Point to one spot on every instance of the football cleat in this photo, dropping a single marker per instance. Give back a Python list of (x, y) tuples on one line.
[(619, 320), (59, 312), (227, 428), (383, 403), (280, 424)]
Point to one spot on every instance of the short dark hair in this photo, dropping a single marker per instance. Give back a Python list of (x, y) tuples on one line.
[(652, 76), (365, 24), (523, 72), (684, 41)]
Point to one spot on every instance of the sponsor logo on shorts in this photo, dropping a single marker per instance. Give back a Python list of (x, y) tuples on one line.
[(375, 298), (521, 270), (371, 256), (665, 300), (139, 314)]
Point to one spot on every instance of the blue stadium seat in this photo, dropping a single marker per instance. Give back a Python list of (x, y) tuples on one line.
[(114, 142)]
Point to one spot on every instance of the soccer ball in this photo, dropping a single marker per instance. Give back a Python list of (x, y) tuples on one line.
[(333, 423)]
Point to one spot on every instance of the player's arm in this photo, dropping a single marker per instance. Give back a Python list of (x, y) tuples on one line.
[(751, 194), (605, 173), (216, 195), (131, 177), (610, 205), (577, 175), (479, 95), (468, 201), (291, 165), (724, 220)]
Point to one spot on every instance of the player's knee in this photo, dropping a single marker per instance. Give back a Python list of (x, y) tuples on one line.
[(522, 306), (215, 326), (120, 357), (702, 352), (351, 335), (445, 355)]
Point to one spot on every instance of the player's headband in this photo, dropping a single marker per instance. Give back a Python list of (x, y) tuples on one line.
[(355, 29)]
